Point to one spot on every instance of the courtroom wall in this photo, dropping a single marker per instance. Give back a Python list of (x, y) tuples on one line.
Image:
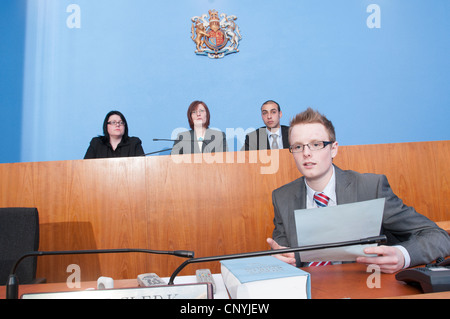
[(378, 69)]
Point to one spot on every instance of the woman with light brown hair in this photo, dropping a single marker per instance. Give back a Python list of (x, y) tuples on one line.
[(201, 138)]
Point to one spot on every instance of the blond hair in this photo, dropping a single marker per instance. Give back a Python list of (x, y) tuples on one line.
[(310, 116)]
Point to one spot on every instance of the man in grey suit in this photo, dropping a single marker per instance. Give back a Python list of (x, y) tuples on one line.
[(413, 239), (273, 135)]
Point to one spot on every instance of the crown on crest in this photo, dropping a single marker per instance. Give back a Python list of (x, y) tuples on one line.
[(213, 15)]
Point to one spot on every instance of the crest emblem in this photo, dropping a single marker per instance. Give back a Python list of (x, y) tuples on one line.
[(215, 37)]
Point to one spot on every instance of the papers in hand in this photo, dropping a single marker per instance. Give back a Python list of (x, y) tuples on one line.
[(335, 224)]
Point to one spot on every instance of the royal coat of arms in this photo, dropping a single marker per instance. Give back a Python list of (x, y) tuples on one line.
[(215, 37)]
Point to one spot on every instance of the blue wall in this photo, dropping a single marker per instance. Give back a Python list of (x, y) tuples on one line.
[(12, 38), (377, 85)]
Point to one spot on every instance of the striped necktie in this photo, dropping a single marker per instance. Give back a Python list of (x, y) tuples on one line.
[(322, 201)]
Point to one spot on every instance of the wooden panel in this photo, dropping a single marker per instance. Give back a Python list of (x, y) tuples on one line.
[(445, 225), (417, 172), (215, 208), (171, 203)]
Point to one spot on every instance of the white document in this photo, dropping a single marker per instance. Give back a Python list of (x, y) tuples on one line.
[(336, 224)]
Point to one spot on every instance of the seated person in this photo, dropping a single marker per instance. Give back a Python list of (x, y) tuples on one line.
[(200, 139), (413, 239), (271, 136), (115, 142)]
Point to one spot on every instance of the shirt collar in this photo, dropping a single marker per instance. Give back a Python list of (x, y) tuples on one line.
[(329, 190), (269, 132)]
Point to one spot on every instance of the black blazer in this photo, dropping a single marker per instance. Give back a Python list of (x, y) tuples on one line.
[(98, 149), (258, 139)]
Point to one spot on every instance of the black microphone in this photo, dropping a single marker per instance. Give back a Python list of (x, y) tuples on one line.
[(181, 139), (165, 139), (12, 286), (369, 240), (167, 149)]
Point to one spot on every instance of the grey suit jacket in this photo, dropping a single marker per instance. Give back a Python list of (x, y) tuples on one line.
[(401, 224), (215, 141)]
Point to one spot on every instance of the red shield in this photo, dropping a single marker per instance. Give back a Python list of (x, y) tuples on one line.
[(216, 40)]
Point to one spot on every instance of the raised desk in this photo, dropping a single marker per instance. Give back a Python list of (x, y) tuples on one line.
[(348, 281), (169, 203)]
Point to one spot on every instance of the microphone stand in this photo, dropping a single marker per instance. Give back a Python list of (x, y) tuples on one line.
[(164, 139), (12, 286), (161, 139), (167, 149), (369, 240)]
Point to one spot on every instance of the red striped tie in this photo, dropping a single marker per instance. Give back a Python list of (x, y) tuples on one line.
[(322, 201), (319, 263)]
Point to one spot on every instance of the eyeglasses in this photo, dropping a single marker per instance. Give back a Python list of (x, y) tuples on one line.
[(313, 146), (120, 123), (198, 111)]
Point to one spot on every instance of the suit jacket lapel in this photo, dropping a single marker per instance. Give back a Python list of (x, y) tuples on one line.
[(194, 144), (208, 137), (300, 196), (263, 139), (299, 202), (285, 135), (346, 191)]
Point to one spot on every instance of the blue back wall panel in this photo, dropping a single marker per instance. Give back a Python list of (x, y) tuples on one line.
[(384, 84)]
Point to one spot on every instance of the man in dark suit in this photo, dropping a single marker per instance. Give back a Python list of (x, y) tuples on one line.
[(413, 239), (271, 136)]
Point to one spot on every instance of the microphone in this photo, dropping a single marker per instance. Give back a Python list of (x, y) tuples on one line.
[(165, 139), (181, 139), (167, 149), (369, 240), (12, 286)]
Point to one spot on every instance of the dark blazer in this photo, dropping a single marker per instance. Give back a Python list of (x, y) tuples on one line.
[(259, 140), (401, 224), (99, 149), (215, 141)]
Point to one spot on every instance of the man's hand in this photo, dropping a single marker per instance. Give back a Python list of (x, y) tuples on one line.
[(390, 259), (287, 257)]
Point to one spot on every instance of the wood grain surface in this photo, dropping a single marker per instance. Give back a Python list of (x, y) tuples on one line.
[(213, 206)]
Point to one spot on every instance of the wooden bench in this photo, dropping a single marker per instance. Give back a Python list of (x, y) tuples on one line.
[(444, 225), (167, 203)]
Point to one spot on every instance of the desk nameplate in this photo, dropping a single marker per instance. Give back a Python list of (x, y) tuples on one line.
[(186, 291)]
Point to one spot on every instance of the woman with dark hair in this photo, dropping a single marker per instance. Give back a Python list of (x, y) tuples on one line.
[(200, 139), (115, 141)]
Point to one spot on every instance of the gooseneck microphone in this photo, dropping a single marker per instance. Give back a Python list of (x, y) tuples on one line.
[(151, 153), (365, 241), (165, 139), (181, 139), (12, 285)]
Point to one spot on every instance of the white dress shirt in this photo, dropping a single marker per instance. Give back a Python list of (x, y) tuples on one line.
[(279, 137)]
